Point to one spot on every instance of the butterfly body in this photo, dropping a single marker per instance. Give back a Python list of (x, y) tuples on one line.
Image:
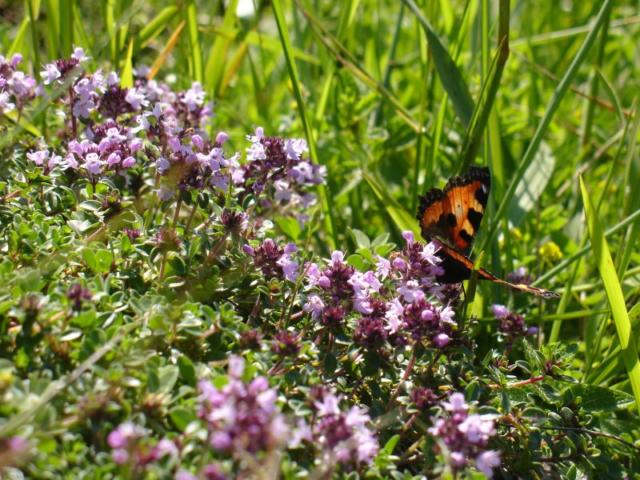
[(452, 216)]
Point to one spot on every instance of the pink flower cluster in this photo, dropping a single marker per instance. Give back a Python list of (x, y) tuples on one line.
[(344, 437), (109, 129), (241, 417), (274, 261), (130, 445), (16, 88), (465, 435), (278, 173), (512, 325), (400, 297)]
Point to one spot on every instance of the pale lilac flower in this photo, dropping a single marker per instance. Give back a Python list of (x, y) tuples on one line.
[(236, 366), (465, 435), (383, 267), (5, 104), (183, 474), (500, 311), (79, 55), (241, 418), (93, 164), (337, 257), (221, 138), (441, 340), (289, 267), (343, 436), (301, 433), (478, 428), (428, 254), (50, 73), (446, 316), (38, 157), (487, 461), (409, 237), (411, 291), (194, 97), (329, 405), (315, 306), (393, 315), (136, 98), (456, 403), (128, 162)]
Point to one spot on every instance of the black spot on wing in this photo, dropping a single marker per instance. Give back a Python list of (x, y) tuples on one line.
[(475, 218), (482, 195), (452, 221), (466, 236)]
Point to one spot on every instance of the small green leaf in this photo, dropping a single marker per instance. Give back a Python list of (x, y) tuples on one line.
[(289, 226), (187, 370), (167, 376), (361, 239), (181, 417)]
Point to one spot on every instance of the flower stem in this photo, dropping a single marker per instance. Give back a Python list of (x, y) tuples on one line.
[(191, 214), (405, 376), (177, 212)]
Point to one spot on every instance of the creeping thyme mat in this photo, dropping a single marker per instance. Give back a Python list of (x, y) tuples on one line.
[(172, 309)]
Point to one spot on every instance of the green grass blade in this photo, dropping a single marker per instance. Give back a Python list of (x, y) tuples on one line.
[(450, 76), (297, 91), (34, 13), (215, 68), (552, 107), (194, 41), (66, 27), (18, 44), (53, 24), (476, 127), (156, 25), (346, 59), (586, 249), (126, 78), (398, 214), (614, 293)]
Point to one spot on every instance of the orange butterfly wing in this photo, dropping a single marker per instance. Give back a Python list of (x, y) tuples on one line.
[(453, 215)]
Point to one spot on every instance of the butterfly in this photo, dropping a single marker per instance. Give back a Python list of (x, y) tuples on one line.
[(452, 216)]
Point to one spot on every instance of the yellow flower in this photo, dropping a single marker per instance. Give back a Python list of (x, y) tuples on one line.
[(550, 252)]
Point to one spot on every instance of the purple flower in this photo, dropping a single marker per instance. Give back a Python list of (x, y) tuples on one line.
[(465, 435), (456, 403), (500, 311), (5, 104), (286, 343), (50, 73), (343, 436), (77, 294), (441, 340), (423, 398), (136, 98), (315, 306), (370, 332), (408, 237), (289, 267), (38, 157), (221, 138), (511, 324), (487, 461), (393, 315), (183, 474), (520, 275), (241, 418), (194, 97)]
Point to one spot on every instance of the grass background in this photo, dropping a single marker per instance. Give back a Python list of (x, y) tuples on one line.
[(394, 97)]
